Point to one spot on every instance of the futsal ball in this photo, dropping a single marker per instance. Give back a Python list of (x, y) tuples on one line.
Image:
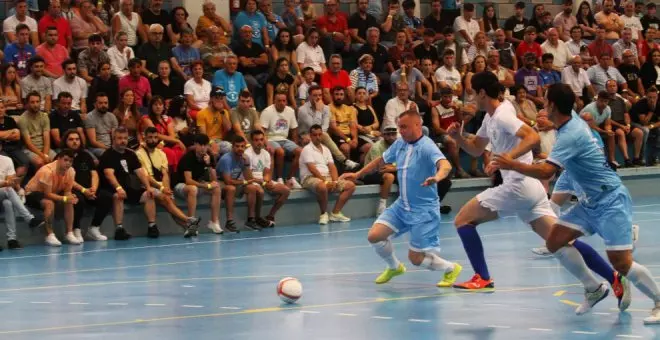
[(289, 289)]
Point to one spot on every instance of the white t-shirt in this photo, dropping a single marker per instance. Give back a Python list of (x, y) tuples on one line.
[(634, 24), (258, 162), (393, 109), (452, 77), (6, 167), (201, 92), (77, 88), (9, 25), (577, 82), (500, 129), (561, 52), (471, 27), (320, 158), (310, 56), (278, 124)]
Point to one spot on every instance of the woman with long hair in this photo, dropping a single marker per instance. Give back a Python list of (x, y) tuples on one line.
[(172, 146), (10, 90), (129, 116), (480, 46), (473, 115), (650, 72), (281, 80), (284, 47), (184, 127), (586, 20), (488, 22), (178, 23)]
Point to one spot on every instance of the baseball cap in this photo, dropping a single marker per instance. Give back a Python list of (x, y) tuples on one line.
[(390, 129), (218, 92)]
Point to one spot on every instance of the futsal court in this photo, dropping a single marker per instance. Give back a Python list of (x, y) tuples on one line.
[(223, 287)]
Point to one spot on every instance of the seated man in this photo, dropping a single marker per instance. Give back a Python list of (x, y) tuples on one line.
[(99, 125), (623, 131), (343, 125), (118, 166), (53, 183), (260, 165), (11, 145), (244, 117), (35, 130), (319, 175), (443, 115), (12, 204), (234, 167), (63, 118), (195, 175), (279, 122), (214, 122), (386, 175), (602, 123), (154, 162)]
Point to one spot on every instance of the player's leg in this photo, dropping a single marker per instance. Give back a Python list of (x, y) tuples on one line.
[(640, 276), (282, 192), (379, 237), (472, 214)]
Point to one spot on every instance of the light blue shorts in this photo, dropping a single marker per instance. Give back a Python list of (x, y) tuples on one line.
[(563, 185), (288, 146), (611, 218), (423, 226)]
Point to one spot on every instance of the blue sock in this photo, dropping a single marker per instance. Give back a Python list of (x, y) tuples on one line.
[(594, 261), (474, 249)]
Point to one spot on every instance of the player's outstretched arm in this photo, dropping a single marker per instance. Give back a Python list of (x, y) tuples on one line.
[(543, 170), (367, 169), (528, 140), (444, 168), (474, 145)]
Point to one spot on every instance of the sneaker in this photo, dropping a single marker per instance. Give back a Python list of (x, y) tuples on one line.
[(339, 217), (230, 226), (265, 222), (654, 318), (541, 251), (323, 219), (78, 234), (94, 234), (382, 205), (627, 163), (252, 225), (153, 232), (390, 273), (350, 165), (638, 162), (272, 220), (293, 182), (621, 289), (451, 276), (476, 283), (193, 221), (445, 209), (36, 222), (13, 244), (121, 234), (592, 298), (71, 238), (215, 227), (191, 231), (52, 240)]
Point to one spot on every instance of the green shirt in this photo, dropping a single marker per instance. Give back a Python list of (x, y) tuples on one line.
[(377, 150), (35, 127)]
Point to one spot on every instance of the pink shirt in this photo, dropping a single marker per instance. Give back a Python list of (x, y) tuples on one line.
[(53, 58), (48, 176), (62, 25), (140, 88)]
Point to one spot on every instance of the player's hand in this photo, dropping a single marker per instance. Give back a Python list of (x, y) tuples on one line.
[(455, 130), (348, 176), (502, 161), (431, 181)]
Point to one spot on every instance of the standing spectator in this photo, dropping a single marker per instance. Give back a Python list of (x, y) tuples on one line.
[(214, 53), (10, 90), (154, 51), (19, 52), (250, 17), (385, 176), (565, 20), (84, 25), (253, 64), (213, 121), (333, 77), (120, 54), (610, 20), (35, 81), (136, 82), (197, 90), (465, 27), (62, 119), (105, 82), (130, 22), (11, 24), (319, 175), (515, 26), (52, 184), (53, 54), (230, 80), (54, 18), (184, 54), (73, 84), (279, 123), (35, 131), (100, 125), (90, 59)]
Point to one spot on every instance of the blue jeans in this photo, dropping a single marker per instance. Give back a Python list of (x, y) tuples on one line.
[(12, 206)]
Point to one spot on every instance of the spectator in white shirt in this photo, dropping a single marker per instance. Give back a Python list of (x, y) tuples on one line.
[(575, 44), (310, 54), (319, 175), (398, 105), (120, 53), (21, 17), (448, 75), (630, 20), (625, 43), (557, 48), (465, 27), (73, 84), (576, 77)]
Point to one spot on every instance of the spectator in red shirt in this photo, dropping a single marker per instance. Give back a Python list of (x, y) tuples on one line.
[(333, 77), (645, 46), (333, 27), (600, 46), (529, 45), (54, 18), (136, 82)]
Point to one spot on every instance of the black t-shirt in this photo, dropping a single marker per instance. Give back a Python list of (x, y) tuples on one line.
[(253, 51), (437, 25), (275, 80), (163, 18), (618, 107), (631, 74), (517, 27), (380, 57), (9, 124), (167, 92), (124, 165), (154, 55), (109, 87), (199, 170), (362, 25), (83, 163), (64, 123), (421, 52), (642, 108), (648, 21)]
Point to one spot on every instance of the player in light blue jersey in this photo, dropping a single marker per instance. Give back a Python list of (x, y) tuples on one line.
[(420, 165), (606, 207)]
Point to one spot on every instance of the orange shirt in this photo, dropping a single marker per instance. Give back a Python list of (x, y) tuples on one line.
[(48, 176), (53, 58)]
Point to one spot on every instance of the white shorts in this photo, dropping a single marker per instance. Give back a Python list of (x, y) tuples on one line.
[(526, 198)]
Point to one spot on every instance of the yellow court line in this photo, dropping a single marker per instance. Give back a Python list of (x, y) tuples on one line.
[(279, 309)]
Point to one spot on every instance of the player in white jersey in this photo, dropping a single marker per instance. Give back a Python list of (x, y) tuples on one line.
[(260, 164), (524, 196)]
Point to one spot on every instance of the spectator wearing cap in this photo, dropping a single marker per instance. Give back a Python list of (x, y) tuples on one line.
[(650, 19), (136, 82), (54, 18), (53, 54), (601, 72), (382, 65), (230, 80), (253, 64), (515, 26), (426, 50), (333, 77), (90, 59), (257, 22), (84, 25), (363, 77), (528, 45), (624, 44), (385, 176), (576, 77), (466, 27), (528, 77), (214, 122), (152, 52)]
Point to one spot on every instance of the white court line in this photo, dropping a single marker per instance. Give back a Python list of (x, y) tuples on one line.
[(584, 332), (232, 308), (629, 336), (40, 302), (458, 323), (117, 304), (540, 329), (601, 313), (154, 304), (346, 314), (79, 303), (5, 302), (310, 312), (187, 286), (381, 317), (192, 306), (419, 320), (646, 212), (498, 326)]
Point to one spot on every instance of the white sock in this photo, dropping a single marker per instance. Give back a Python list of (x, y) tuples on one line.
[(436, 263), (641, 277), (383, 201), (385, 250), (555, 208), (571, 259)]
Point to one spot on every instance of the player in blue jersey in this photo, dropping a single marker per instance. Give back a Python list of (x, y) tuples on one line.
[(420, 165), (605, 209)]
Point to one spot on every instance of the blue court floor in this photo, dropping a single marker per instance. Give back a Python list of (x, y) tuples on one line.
[(223, 287)]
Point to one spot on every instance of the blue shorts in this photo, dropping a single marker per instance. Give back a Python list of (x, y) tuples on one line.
[(423, 226), (611, 218), (288, 146), (563, 185)]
